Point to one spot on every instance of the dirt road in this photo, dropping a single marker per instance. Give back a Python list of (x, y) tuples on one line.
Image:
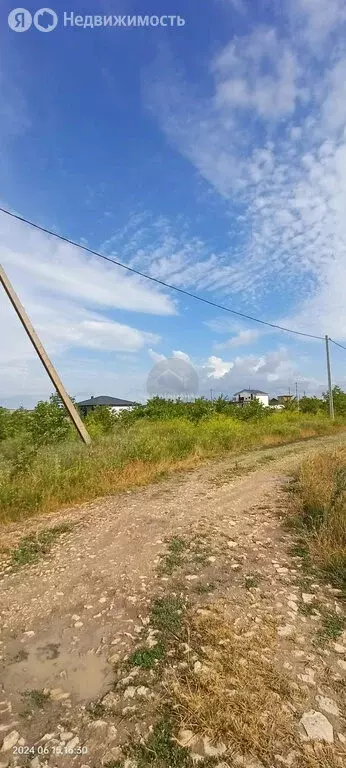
[(68, 620)]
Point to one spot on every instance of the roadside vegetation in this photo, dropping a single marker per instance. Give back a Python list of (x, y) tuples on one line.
[(318, 513), (43, 466)]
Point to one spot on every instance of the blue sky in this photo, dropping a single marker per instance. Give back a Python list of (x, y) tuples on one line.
[(210, 155)]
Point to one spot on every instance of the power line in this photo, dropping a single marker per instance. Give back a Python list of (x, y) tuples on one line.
[(155, 279), (337, 343)]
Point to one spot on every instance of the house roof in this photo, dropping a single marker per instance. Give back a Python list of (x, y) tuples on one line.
[(251, 392), (106, 400), (274, 401)]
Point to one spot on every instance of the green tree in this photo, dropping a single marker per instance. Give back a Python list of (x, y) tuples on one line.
[(339, 398), (49, 422), (311, 405)]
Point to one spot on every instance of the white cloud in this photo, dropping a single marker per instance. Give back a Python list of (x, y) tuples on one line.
[(272, 139), (245, 336), (258, 72), (71, 300), (181, 355), (218, 367)]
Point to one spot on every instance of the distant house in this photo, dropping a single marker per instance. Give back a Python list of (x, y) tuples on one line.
[(113, 403), (285, 398), (274, 402), (246, 396)]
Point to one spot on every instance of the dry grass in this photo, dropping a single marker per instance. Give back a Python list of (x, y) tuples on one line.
[(319, 509), (240, 698)]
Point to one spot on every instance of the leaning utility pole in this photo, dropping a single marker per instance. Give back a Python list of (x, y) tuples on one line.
[(23, 317), (330, 391)]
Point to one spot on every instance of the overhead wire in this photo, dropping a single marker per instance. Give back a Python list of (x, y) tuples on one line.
[(156, 280)]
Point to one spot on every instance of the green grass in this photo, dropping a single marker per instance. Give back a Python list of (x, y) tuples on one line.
[(167, 614), (161, 750), (32, 547), (146, 657), (131, 455), (332, 626), (252, 580), (173, 558)]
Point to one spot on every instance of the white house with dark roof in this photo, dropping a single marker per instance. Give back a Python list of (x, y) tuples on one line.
[(114, 404), (246, 396)]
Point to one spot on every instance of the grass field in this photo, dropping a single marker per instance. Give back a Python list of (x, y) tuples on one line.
[(319, 513), (45, 478)]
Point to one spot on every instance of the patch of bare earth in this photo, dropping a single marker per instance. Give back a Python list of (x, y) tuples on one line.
[(173, 625)]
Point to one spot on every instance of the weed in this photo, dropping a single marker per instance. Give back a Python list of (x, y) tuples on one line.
[(332, 626), (318, 511), (166, 614), (32, 547), (307, 609), (35, 698), (252, 580), (22, 655), (161, 750), (96, 710), (174, 556), (146, 657)]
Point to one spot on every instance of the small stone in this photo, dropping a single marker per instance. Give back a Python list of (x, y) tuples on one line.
[(99, 723), (342, 664), (328, 705), (197, 667), (292, 605), (58, 695), (66, 735), (212, 750), (142, 690), (9, 741), (75, 617), (78, 624), (211, 559), (307, 598), (35, 763), (286, 631), (235, 567), (191, 577), (47, 737), (29, 633), (102, 600), (73, 743), (231, 544), (339, 648), (185, 738), (110, 701), (130, 692), (317, 727)]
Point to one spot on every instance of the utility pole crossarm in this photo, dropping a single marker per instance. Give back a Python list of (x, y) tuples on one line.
[(57, 383)]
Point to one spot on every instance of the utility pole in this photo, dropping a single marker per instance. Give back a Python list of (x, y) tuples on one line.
[(297, 396), (23, 317), (330, 391), (211, 395)]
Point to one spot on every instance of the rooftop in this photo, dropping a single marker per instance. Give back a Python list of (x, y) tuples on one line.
[(105, 400), (251, 392)]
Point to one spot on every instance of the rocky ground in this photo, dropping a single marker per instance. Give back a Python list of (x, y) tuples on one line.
[(102, 637)]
